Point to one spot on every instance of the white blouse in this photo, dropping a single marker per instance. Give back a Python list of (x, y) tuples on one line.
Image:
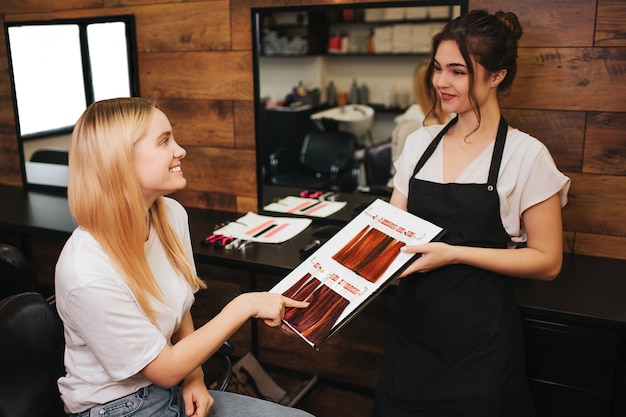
[(528, 174)]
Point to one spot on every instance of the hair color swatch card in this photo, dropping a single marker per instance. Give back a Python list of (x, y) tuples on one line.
[(352, 268), (264, 229), (305, 206)]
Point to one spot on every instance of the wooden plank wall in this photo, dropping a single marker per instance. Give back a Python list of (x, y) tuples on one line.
[(195, 57)]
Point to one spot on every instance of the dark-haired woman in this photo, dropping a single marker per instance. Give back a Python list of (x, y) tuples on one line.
[(455, 344)]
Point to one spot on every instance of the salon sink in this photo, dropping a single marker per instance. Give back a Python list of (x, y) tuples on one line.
[(354, 118)]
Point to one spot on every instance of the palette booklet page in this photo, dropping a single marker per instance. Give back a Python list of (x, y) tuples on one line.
[(351, 269)]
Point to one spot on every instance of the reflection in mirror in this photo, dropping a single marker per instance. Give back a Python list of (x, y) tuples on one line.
[(321, 70), (57, 69)]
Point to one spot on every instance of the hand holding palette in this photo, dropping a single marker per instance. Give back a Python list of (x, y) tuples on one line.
[(351, 269)]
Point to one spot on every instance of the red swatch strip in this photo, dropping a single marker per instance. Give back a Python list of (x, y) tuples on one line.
[(299, 206), (315, 208), (276, 230), (259, 227)]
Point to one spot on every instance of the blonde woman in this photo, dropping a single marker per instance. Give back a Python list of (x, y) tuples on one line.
[(125, 279)]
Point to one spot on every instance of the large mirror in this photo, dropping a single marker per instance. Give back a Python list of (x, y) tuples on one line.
[(329, 82), (57, 68)]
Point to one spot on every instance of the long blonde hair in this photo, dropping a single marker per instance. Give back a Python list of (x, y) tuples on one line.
[(105, 197), (423, 98)]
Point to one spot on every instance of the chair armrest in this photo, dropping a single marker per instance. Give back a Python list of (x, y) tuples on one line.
[(283, 160), (345, 173)]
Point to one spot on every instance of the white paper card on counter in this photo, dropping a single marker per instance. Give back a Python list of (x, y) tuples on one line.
[(264, 229), (305, 206)]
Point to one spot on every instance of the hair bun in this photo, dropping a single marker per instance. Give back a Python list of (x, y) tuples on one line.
[(512, 22)]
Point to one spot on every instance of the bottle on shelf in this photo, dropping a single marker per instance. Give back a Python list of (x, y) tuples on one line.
[(364, 94), (331, 94), (334, 44), (345, 42), (354, 93), (301, 90)]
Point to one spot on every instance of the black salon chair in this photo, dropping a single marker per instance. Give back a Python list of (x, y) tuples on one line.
[(57, 156), (377, 163), (31, 357), (16, 274), (325, 162)]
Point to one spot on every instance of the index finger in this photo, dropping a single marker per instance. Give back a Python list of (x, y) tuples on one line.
[(289, 302), (412, 248)]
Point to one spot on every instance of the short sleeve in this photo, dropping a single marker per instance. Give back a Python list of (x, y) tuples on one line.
[(528, 176), (542, 181)]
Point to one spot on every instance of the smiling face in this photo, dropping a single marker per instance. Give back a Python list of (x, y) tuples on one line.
[(452, 80), (157, 160)]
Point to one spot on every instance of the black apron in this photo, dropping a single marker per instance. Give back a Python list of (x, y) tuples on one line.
[(455, 345)]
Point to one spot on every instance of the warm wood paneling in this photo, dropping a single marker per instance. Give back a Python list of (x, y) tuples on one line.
[(588, 79), (5, 80), (197, 75), (568, 241), (602, 246), (10, 171), (605, 146), (549, 23), (244, 124), (246, 204), (21, 6), (201, 122), (114, 3), (596, 204), (189, 26), (7, 122), (220, 170), (611, 24), (562, 132), (203, 198), (3, 45)]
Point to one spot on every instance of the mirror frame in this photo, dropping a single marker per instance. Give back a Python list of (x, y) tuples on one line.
[(133, 78), (355, 200)]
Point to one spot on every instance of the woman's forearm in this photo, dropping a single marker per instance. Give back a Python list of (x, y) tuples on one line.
[(192, 349), (522, 263)]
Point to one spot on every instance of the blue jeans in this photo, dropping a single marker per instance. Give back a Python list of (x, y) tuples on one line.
[(147, 402), (154, 401), (228, 404)]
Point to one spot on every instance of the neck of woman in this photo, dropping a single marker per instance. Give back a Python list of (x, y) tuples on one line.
[(472, 130)]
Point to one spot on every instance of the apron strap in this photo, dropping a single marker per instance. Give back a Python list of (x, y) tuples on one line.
[(498, 150), (431, 148)]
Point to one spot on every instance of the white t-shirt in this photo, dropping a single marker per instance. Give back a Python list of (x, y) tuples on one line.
[(406, 123), (528, 174), (109, 339)]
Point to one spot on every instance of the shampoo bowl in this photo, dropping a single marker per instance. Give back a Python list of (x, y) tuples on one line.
[(353, 118)]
